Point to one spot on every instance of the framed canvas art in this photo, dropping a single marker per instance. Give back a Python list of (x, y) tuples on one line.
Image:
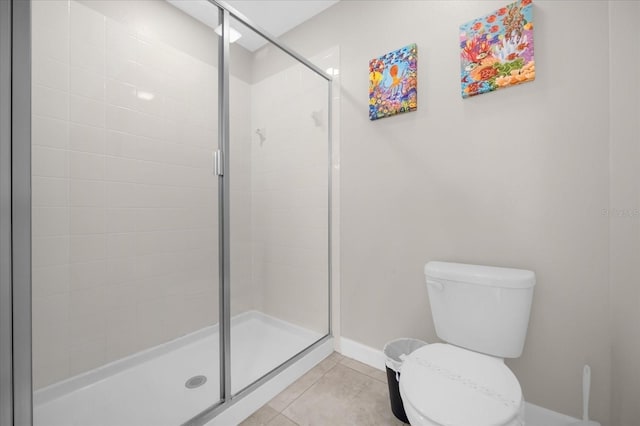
[(393, 83), (496, 50)]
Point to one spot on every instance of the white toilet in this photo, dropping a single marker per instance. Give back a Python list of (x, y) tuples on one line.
[(482, 312)]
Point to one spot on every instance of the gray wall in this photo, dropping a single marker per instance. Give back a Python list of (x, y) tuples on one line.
[(624, 213), (517, 178)]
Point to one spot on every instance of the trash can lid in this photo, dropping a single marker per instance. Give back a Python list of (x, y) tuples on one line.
[(397, 350)]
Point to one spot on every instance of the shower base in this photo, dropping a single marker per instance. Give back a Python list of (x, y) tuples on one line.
[(148, 388)]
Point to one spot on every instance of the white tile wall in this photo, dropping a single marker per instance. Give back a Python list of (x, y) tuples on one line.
[(87, 84), (51, 72), (289, 196), (243, 291), (84, 138), (49, 102), (124, 202), (51, 40)]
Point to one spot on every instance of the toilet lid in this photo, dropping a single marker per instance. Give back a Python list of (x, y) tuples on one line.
[(454, 386)]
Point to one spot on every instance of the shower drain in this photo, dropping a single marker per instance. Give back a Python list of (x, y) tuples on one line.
[(195, 382)]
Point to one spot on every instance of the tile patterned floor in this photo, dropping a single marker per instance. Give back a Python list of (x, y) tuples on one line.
[(338, 391)]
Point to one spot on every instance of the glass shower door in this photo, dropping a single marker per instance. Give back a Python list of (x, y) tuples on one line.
[(279, 192), (125, 213)]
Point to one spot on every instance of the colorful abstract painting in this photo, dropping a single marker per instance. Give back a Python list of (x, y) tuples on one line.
[(496, 51), (393, 83)]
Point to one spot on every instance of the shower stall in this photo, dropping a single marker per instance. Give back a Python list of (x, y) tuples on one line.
[(166, 201)]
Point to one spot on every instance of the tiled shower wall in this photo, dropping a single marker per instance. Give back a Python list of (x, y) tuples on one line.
[(124, 200), (289, 187), (125, 242)]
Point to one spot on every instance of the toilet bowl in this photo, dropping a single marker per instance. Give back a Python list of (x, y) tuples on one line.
[(482, 315), (441, 384)]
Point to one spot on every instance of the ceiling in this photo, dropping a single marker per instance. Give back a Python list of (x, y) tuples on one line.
[(276, 17)]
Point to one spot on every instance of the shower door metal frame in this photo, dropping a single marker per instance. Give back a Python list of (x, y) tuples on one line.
[(6, 309), (15, 209), (224, 214), (16, 393), (227, 397)]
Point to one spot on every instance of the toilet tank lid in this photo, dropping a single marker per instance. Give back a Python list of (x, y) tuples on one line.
[(482, 275)]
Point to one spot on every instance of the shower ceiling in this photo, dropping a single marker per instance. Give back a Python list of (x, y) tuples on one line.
[(275, 16)]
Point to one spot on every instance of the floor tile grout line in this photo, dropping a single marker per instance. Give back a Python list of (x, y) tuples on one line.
[(290, 419), (272, 418), (367, 378), (307, 388), (365, 374)]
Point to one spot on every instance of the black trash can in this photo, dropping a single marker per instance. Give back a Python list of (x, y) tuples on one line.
[(395, 352)]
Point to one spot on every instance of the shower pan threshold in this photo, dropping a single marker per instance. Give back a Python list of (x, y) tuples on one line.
[(148, 388)]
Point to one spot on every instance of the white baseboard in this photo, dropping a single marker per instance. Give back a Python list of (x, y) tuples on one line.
[(365, 354)]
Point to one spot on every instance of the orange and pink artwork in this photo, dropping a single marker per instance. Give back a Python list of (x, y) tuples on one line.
[(496, 50)]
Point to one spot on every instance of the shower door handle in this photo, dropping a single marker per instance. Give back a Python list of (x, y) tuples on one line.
[(218, 164)]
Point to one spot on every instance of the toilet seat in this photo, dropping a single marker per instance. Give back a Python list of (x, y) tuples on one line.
[(443, 384)]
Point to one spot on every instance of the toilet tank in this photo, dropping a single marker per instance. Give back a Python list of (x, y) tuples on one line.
[(481, 308)]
